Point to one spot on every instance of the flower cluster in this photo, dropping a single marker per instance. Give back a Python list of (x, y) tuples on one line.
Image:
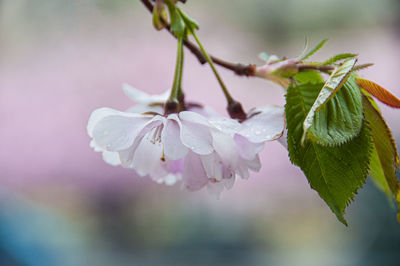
[(195, 146)]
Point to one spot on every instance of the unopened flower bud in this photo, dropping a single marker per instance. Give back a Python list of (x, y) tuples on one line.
[(278, 71), (160, 15)]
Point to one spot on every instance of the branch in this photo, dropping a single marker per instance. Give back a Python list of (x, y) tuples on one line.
[(304, 67), (239, 69)]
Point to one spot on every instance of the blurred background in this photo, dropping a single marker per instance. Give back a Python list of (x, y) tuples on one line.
[(60, 204)]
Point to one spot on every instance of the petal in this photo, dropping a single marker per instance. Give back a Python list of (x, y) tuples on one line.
[(226, 125), (174, 167), (194, 177), (196, 135), (229, 182), (205, 111), (255, 164), (111, 158), (228, 173), (169, 179), (243, 171), (248, 150), (148, 157), (226, 148), (142, 97), (97, 115), (95, 146), (264, 124), (108, 156), (173, 147), (215, 189), (283, 140), (213, 166), (117, 132), (194, 118), (126, 155)]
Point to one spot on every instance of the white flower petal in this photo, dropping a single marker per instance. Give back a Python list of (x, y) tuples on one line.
[(195, 133), (213, 166), (117, 132), (226, 125), (264, 124), (283, 140), (126, 155), (95, 146), (194, 118), (242, 170), (248, 150), (205, 111), (142, 97), (97, 115), (255, 164), (111, 158), (215, 189), (169, 179), (173, 147), (108, 156), (229, 182), (174, 166), (226, 148), (148, 157), (194, 177)]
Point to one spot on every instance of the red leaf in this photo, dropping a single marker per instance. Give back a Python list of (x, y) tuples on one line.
[(379, 92)]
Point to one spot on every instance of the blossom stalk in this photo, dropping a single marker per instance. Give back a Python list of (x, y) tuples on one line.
[(175, 102)]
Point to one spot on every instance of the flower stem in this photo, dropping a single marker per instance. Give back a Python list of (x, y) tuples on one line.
[(237, 68), (234, 107), (172, 104), (208, 59)]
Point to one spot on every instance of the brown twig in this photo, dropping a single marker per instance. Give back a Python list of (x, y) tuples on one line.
[(239, 69), (304, 67)]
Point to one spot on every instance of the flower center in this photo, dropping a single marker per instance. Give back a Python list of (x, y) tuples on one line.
[(155, 134)]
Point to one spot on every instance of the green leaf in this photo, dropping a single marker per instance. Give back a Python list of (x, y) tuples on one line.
[(341, 119), (386, 151), (362, 67), (338, 57), (304, 49), (190, 21), (336, 173), (309, 76), (314, 50), (377, 175), (177, 23)]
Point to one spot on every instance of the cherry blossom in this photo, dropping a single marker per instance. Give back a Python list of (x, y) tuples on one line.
[(145, 102), (201, 151)]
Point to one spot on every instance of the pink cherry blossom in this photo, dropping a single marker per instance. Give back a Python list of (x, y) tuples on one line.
[(201, 150), (153, 145)]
